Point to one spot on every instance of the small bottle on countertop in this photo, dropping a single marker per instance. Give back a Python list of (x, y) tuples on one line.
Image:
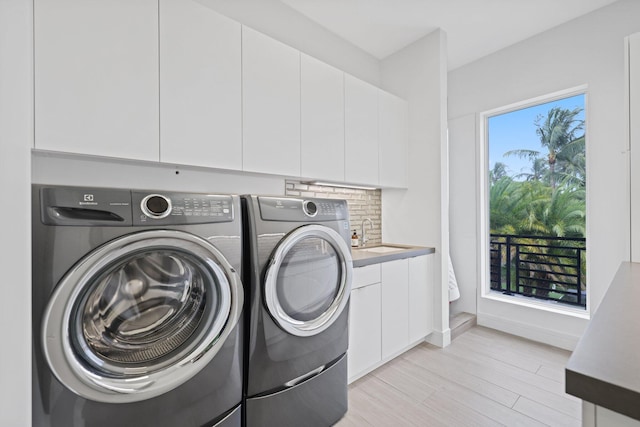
[(355, 240)]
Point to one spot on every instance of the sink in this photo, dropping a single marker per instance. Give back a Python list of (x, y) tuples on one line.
[(380, 249)]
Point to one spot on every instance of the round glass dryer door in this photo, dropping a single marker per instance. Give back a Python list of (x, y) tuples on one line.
[(140, 315), (308, 281)]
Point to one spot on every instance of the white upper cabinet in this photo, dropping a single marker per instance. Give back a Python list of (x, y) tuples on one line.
[(200, 86), (176, 82), (393, 122), (322, 120), (96, 77), (361, 131), (271, 105)]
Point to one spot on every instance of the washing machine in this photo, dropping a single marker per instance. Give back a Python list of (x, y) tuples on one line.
[(137, 308), (298, 280)]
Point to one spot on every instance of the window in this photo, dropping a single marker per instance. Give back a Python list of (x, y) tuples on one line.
[(536, 201)]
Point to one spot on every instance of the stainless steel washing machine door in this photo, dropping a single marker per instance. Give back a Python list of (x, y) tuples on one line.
[(308, 280), (140, 315)]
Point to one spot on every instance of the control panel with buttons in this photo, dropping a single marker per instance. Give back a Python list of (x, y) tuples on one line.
[(181, 208), (293, 209)]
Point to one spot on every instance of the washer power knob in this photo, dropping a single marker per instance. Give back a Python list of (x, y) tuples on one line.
[(156, 206), (310, 208)]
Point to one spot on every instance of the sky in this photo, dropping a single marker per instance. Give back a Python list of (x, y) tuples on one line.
[(517, 130)]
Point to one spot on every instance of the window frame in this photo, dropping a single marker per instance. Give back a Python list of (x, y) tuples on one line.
[(484, 290)]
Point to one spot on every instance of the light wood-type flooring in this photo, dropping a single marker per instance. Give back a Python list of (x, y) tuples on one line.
[(484, 378)]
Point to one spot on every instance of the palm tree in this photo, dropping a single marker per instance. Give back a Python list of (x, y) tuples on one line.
[(538, 171), (538, 164), (572, 164), (556, 132), (563, 215), (503, 203), (499, 171)]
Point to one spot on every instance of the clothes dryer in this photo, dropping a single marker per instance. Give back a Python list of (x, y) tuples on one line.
[(137, 308), (298, 281)]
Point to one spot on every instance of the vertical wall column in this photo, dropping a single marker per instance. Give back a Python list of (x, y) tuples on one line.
[(16, 140), (419, 215)]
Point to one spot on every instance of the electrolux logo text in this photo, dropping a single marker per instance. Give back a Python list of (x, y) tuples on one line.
[(88, 200)]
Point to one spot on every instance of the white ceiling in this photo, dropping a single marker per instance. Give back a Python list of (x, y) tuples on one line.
[(475, 28)]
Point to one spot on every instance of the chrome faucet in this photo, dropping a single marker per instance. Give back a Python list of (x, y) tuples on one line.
[(364, 234)]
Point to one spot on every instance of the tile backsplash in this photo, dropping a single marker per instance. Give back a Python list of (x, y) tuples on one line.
[(362, 204)]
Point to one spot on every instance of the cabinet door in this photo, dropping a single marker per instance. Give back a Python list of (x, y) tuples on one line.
[(364, 330), (200, 86), (420, 297), (607, 417), (367, 275), (322, 121), (393, 134), (395, 313), (361, 131), (96, 77), (270, 105)]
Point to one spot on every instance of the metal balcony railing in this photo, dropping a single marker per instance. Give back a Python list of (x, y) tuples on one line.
[(547, 268)]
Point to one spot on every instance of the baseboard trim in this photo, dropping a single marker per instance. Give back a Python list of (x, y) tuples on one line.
[(529, 331), (440, 338)]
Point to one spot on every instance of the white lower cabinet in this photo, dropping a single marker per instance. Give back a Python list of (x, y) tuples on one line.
[(594, 415), (391, 309), (395, 313), (364, 330), (607, 417), (420, 297)]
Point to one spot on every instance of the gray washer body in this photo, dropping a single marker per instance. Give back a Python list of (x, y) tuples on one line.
[(275, 357), (212, 397)]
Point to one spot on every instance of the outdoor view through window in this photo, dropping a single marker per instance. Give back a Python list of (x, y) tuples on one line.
[(537, 202)]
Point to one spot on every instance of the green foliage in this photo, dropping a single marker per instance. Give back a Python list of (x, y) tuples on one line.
[(534, 208), (550, 199), (564, 163)]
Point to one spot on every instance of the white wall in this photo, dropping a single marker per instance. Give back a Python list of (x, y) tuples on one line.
[(16, 138), (277, 20), (418, 74), (463, 223), (588, 50)]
